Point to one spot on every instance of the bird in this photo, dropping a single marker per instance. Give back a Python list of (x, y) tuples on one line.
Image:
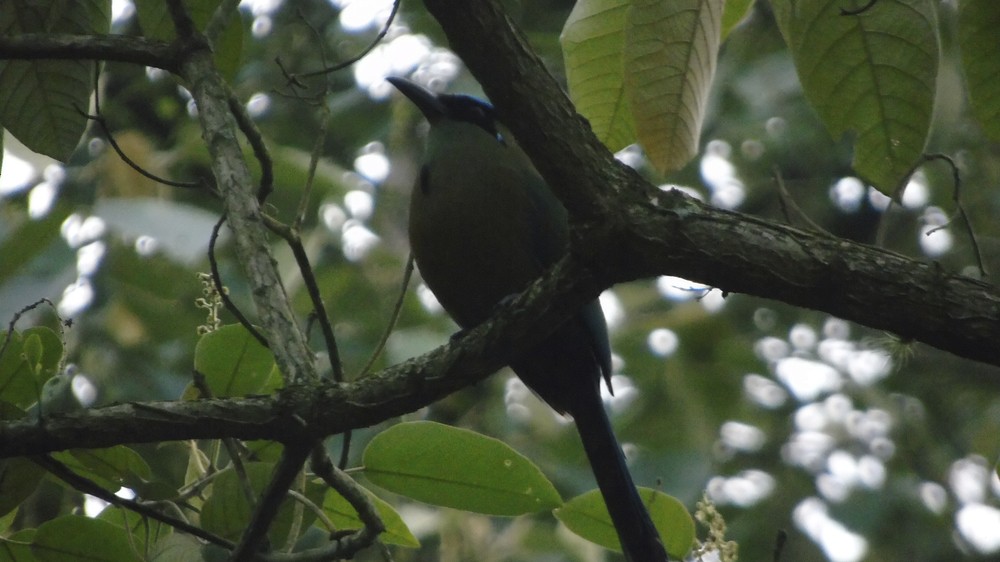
[(483, 224)]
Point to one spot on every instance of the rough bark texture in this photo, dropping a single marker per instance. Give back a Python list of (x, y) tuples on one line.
[(625, 229)]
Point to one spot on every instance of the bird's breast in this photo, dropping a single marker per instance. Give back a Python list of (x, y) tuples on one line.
[(471, 232)]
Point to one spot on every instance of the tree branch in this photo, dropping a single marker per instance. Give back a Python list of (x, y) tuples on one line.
[(318, 410), (136, 50), (242, 209), (627, 229)]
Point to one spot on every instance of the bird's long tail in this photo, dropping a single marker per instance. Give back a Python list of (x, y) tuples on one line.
[(640, 540)]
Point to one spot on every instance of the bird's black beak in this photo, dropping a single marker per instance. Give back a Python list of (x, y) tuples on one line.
[(425, 100)]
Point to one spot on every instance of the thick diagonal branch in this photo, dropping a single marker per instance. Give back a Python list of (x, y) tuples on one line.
[(628, 229)]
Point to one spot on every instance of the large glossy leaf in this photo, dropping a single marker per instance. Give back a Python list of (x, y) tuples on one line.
[(18, 479), (978, 23), (74, 537), (670, 55), (144, 531), (116, 466), (340, 512), (177, 547), (587, 516), (872, 74), (457, 468), (227, 513), (233, 362), (593, 41), (44, 103), (641, 70)]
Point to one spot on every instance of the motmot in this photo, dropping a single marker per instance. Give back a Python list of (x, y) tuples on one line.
[(483, 225)]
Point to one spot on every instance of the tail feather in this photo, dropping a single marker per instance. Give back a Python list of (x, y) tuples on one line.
[(639, 537), (567, 377)]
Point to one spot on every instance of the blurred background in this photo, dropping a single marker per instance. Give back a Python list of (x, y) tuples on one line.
[(860, 446)]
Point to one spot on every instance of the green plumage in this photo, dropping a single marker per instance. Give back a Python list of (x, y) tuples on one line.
[(484, 225)]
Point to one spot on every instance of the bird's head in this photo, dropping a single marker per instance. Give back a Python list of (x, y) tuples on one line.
[(438, 108)]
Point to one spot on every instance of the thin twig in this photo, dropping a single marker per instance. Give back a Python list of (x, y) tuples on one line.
[(393, 318), (396, 311), (256, 140), (298, 509), (99, 119), (235, 457), (317, 151), (82, 484), (312, 287), (779, 544), (354, 494), (17, 316), (292, 458), (316, 510), (371, 46), (221, 289), (292, 82), (103, 124), (295, 242), (784, 197), (956, 196), (194, 489)]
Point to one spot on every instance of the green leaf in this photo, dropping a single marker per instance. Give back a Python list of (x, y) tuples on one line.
[(18, 479), (6, 521), (74, 537), (233, 362), (227, 513), (177, 547), (593, 44), (670, 55), (43, 102), (197, 464), (10, 412), (978, 21), (343, 516), (51, 351), (263, 450), (144, 531), (31, 350), (457, 468), (734, 12), (157, 24), (873, 74), (110, 484), (587, 516), (17, 546), (17, 383), (31, 359), (118, 464), (641, 70)]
